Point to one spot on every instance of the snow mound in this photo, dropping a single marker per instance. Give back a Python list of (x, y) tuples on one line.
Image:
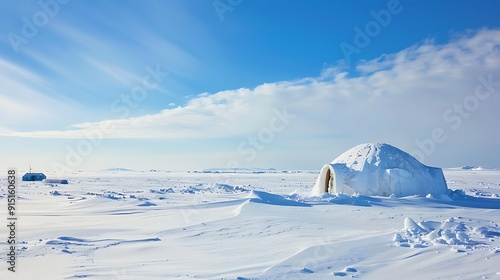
[(147, 203), (379, 170), (458, 233), (194, 189), (162, 191), (228, 188)]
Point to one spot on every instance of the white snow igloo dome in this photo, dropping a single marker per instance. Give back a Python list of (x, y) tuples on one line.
[(379, 170)]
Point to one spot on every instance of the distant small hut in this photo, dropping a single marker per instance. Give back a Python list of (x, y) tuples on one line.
[(34, 177), (56, 181)]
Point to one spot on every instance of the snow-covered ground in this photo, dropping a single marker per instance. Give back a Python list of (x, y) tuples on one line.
[(180, 225)]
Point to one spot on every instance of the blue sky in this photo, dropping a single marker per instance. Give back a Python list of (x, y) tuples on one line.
[(86, 85)]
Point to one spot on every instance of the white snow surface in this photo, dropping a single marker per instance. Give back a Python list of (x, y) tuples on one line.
[(180, 225), (380, 169)]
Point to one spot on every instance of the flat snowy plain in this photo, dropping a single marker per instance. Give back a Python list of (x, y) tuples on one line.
[(180, 225)]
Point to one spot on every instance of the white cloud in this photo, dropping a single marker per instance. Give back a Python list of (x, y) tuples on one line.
[(24, 98), (397, 96)]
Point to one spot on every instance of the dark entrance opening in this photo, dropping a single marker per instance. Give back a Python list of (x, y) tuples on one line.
[(327, 180)]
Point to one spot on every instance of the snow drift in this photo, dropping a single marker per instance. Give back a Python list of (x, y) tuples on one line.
[(382, 170)]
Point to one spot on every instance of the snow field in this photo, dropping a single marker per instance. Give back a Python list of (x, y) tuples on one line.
[(179, 225)]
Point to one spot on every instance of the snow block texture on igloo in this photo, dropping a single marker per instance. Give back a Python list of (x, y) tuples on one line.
[(379, 170)]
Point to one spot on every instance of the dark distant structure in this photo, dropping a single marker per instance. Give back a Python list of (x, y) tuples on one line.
[(34, 176), (56, 181)]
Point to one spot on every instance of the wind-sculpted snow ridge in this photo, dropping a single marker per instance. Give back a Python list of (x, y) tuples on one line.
[(71, 245), (326, 198), (452, 198), (458, 233), (273, 199)]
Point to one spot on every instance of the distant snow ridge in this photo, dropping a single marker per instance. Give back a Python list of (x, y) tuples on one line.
[(475, 168), (378, 169), (213, 188), (460, 234)]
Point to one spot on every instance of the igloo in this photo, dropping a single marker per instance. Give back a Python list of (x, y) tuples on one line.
[(379, 170)]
